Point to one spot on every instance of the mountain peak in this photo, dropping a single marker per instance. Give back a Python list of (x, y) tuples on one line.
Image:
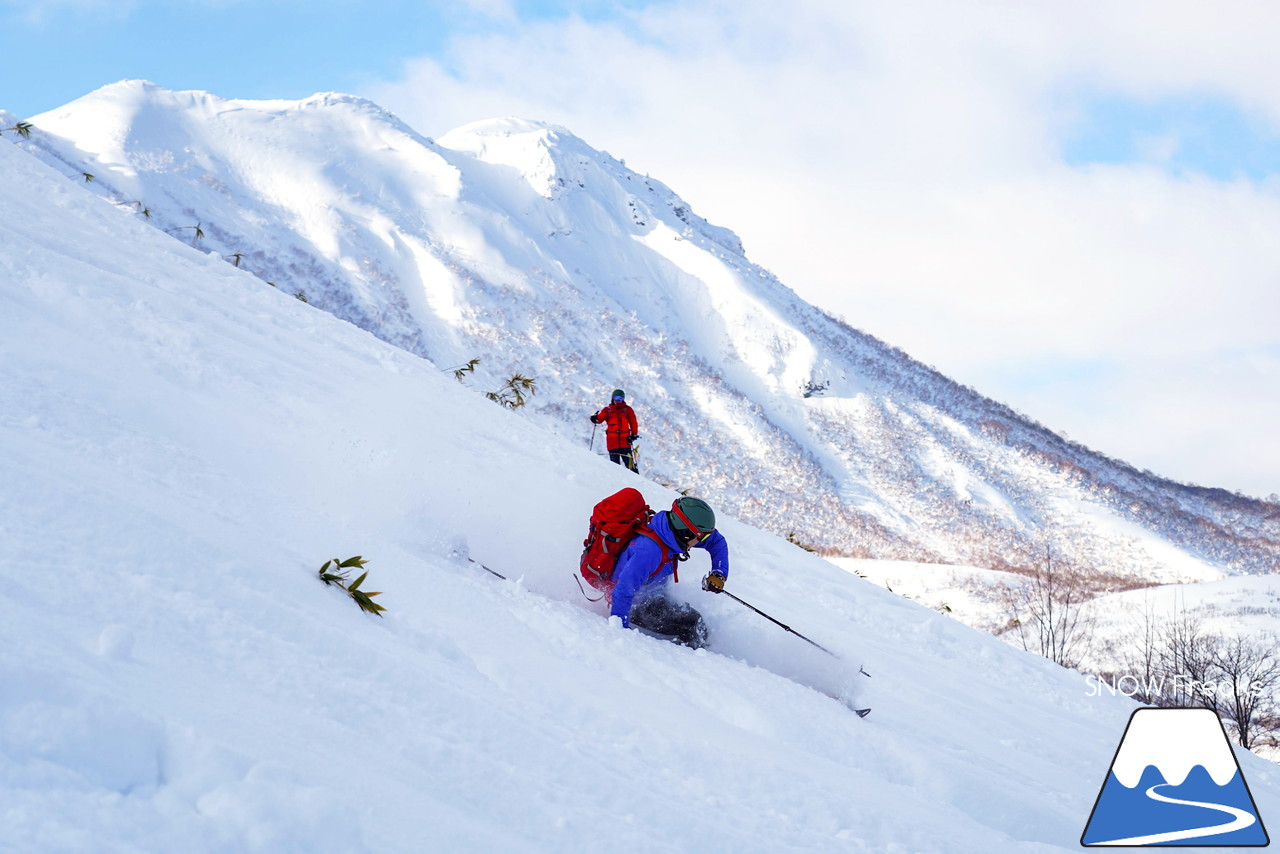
[(550, 157), (140, 91), (511, 126), (129, 84), (127, 98)]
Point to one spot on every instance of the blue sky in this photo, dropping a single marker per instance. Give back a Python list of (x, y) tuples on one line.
[(237, 48), (1185, 135), (1070, 206)]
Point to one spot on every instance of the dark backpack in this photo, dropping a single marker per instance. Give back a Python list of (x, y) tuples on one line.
[(615, 521)]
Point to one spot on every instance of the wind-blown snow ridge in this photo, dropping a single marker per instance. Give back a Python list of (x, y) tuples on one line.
[(516, 242)]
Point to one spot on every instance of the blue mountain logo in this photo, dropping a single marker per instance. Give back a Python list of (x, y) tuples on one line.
[(1175, 781)]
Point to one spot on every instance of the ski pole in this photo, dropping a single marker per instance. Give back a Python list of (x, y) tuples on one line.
[(591, 446), (487, 569), (779, 623)]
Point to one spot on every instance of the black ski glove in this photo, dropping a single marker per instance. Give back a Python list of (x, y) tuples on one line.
[(713, 582), (594, 419), (633, 437)]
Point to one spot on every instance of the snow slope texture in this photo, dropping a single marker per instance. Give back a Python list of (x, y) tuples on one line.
[(181, 446)]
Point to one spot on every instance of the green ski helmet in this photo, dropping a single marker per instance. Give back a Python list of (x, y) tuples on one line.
[(692, 517), (619, 394)]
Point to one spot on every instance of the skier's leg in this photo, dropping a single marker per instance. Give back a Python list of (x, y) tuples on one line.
[(674, 621)]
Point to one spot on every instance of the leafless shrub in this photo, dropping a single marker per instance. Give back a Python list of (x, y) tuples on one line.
[(1048, 613), (1176, 662)]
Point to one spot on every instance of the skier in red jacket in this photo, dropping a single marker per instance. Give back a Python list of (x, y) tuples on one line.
[(621, 430)]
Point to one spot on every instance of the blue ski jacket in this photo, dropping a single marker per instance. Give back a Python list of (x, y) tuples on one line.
[(635, 571)]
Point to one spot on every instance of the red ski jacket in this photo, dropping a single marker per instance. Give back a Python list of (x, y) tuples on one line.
[(621, 425)]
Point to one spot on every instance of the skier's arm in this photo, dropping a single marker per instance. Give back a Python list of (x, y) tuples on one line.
[(634, 567), (718, 547)]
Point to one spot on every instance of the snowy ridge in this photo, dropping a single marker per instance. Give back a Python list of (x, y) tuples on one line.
[(516, 242)]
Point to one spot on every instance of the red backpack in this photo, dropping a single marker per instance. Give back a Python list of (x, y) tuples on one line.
[(614, 522)]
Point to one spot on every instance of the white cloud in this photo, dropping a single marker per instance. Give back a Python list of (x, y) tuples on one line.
[(900, 164)]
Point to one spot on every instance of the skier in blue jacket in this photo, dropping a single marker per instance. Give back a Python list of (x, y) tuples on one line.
[(642, 570)]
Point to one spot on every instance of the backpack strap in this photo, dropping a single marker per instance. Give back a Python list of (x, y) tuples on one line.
[(666, 555)]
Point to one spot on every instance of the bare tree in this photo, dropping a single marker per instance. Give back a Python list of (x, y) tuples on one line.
[(1180, 664), (1138, 651), (1248, 673), (1185, 657), (1049, 614)]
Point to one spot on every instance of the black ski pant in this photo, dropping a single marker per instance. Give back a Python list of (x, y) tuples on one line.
[(674, 621), (623, 457)]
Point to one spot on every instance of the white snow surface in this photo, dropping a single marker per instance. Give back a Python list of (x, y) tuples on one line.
[(518, 243), (968, 594), (182, 446)]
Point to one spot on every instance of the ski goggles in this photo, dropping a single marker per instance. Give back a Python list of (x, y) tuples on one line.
[(691, 534)]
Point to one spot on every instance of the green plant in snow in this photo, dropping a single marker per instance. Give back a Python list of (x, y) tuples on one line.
[(337, 571), (198, 232), (461, 371), (22, 129), (138, 207), (512, 393)]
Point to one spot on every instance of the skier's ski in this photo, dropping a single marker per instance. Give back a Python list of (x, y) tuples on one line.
[(862, 713)]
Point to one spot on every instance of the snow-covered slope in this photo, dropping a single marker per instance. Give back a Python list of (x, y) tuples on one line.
[(518, 243), (181, 446), (1247, 606)]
